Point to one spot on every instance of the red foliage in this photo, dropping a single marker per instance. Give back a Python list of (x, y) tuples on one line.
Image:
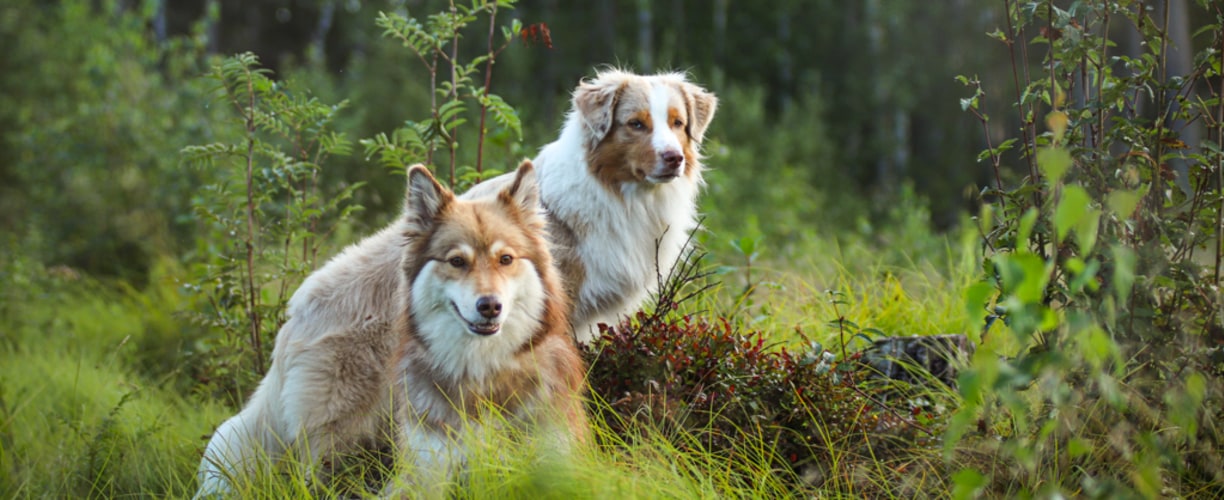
[(706, 377), (536, 33)]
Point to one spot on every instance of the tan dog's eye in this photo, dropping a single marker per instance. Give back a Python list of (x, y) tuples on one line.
[(678, 123), (457, 262), (636, 124), (506, 260)]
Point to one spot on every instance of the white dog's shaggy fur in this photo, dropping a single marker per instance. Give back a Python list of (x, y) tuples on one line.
[(620, 185), (329, 388)]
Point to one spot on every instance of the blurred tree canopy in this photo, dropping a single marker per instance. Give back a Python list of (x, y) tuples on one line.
[(830, 109)]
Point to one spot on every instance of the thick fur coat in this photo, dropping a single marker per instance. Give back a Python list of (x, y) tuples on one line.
[(465, 364), (331, 385), (620, 187)]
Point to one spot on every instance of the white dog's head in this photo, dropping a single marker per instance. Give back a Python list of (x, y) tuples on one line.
[(643, 129)]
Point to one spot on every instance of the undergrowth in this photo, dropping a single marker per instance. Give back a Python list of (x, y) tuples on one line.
[(82, 416), (1088, 280)]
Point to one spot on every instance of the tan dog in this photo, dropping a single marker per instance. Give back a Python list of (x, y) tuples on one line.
[(484, 319), (330, 386)]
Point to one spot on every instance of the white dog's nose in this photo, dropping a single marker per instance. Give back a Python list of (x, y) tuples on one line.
[(671, 159)]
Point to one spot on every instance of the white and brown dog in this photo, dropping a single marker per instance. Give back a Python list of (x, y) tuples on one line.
[(620, 185)]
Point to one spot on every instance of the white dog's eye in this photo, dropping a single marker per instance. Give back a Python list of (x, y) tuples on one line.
[(506, 260), (456, 262), (636, 124), (678, 123)]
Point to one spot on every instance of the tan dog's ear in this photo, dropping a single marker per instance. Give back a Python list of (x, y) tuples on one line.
[(524, 196), (596, 104), (425, 199), (701, 107), (524, 193)]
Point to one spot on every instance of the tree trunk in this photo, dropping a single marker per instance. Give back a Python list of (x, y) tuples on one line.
[(786, 65), (645, 36), (159, 22), (720, 32), (1180, 62), (607, 30), (212, 25), (318, 39)]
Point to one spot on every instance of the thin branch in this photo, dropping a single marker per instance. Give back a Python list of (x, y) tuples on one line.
[(433, 106), (1219, 222), (484, 108), (1029, 140), (252, 292), (1101, 107), (451, 142)]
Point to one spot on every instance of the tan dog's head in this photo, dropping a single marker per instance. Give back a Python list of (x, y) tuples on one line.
[(643, 129), (476, 265)]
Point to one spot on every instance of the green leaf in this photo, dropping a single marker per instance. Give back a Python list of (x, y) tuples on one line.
[(1077, 447), (1087, 229), (967, 484), (745, 246), (1097, 347), (1072, 208), (1124, 202), (1023, 275), (958, 425), (985, 218), (1054, 163), (1124, 272), (1084, 276), (1196, 388), (977, 297), (1025, 230)]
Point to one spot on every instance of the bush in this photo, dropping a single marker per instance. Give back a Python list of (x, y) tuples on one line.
[(713, 385), (1102, 266), (266, 217)]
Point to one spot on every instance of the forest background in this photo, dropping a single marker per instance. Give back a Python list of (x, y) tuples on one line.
[(854, 149)]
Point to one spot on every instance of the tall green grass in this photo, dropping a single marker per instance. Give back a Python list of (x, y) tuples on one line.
[(86, 410), (96, 394)]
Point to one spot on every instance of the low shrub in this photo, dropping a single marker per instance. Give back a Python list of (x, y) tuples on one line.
[(715, 386)]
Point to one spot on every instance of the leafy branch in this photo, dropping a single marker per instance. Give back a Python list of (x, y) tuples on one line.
[(266, 235), (435, 43)]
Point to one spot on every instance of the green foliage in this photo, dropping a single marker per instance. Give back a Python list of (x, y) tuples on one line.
[(92, 112), (435, 43), (1100, 365), (266, 216), (1098, 262), (763, 185)]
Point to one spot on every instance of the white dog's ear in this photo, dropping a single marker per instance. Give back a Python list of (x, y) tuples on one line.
[(525, 192), (425, 200), (596, 104), (701, 107)]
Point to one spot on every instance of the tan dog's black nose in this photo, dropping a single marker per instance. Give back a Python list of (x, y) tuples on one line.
[(489, 306)]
